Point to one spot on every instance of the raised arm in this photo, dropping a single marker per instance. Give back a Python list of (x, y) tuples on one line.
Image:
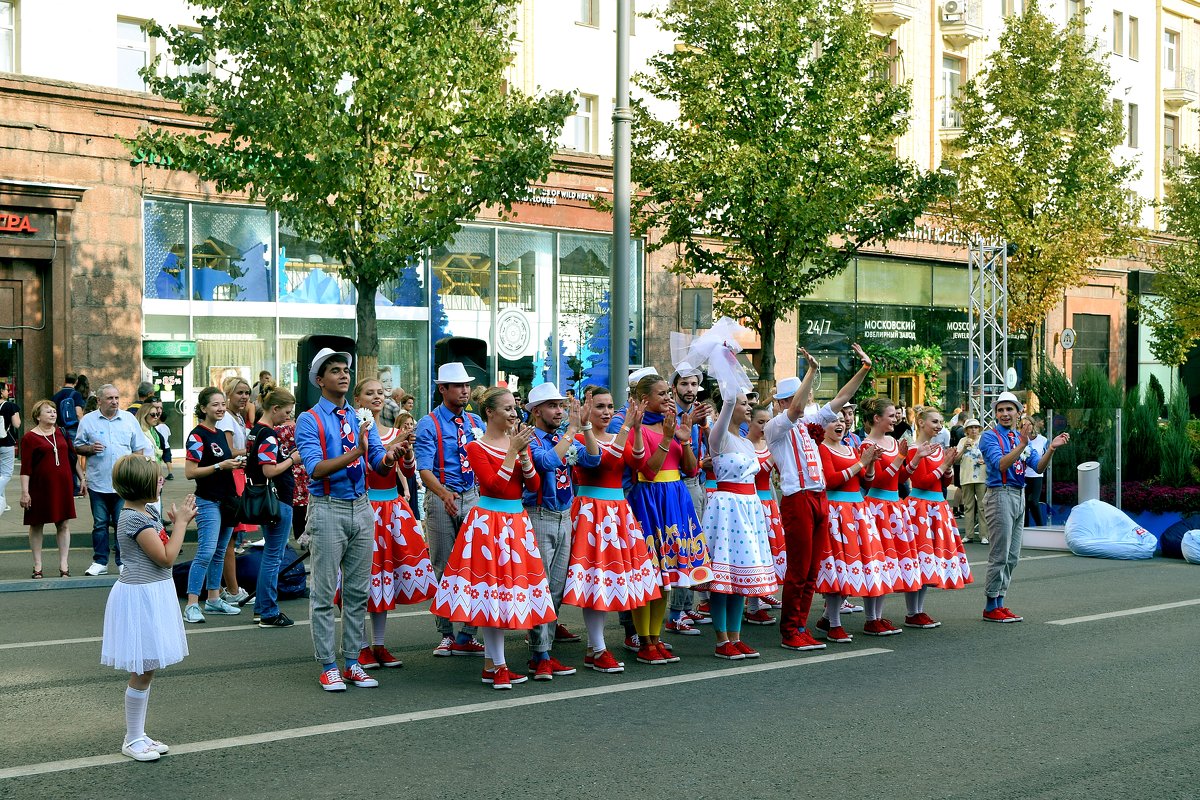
[(846, 393), (800, 398)]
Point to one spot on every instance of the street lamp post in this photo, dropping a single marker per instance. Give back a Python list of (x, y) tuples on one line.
[(619, 306)]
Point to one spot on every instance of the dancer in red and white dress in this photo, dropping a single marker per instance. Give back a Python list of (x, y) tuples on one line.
[(610, 567), (494, 578), (757, 608), (890, 512), (853, 562), (943, 559), (401, 573)]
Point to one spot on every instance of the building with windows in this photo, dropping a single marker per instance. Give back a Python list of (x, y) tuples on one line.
[(108, 259)]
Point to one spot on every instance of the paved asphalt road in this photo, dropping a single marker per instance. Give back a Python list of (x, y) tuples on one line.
[(1105, 708)]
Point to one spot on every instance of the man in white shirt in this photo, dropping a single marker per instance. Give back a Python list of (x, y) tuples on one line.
[(804, 509)]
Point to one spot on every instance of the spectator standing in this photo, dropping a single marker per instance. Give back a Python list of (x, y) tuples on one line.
[(408, 428), (260, 390), (10, 423), (268, 460), (1034, 480), (47, 461), (972, 480), (104, 436), (69, 402), (145, 391), (236, 426), (391, 400)]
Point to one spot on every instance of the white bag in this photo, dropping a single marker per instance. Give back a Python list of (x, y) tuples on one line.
[(1098, 530), (1190, 545)]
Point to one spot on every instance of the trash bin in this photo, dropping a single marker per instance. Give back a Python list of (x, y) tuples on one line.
[(1089, 481)]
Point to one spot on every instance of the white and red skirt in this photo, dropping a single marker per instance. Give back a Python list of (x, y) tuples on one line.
[(899, 539), (735, 524), (853, 561), (610, 568), (400, 570), (774, 532), (942, 557), (495, 577)]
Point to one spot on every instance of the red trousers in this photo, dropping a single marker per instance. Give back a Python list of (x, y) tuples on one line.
[(804, 515)]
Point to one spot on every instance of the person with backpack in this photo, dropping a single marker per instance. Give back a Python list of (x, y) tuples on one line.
[(69, 401), (10, 424)]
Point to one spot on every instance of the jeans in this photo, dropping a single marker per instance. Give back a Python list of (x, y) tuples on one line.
[(267, 591), (212, 540), (106, 509), (7, 457), (343, 536)]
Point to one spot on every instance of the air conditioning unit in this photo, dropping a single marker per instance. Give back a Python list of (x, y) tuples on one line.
[(954, 10)]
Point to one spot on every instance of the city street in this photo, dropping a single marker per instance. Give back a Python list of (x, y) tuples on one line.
[(1079, 701)]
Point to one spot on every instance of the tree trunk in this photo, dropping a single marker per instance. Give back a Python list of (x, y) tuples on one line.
[(766, 359), (367, 346)]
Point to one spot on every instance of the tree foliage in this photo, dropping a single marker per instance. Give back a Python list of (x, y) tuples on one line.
[(1035, 163), (372, 126), (1175, 313), (780, 164)]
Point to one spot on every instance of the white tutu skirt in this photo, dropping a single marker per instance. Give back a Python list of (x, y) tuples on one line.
[(143, 629)]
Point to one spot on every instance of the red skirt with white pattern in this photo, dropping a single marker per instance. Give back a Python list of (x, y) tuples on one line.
[(899, 540), (400, 570), (942, 557), (494, 577), (775, 534), (610, 568), (853, 561)]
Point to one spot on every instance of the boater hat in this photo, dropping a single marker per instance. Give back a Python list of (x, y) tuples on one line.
[(323, 355), (786, 388), (454, 372), (542, 393), (638, 374), (1007, 397), (973, 423), (685, 370)]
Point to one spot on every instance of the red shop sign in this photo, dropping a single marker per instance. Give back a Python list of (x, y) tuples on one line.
[(15, 223)]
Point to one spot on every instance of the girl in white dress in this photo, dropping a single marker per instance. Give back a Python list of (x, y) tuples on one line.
[(736, 525), (143, 630)]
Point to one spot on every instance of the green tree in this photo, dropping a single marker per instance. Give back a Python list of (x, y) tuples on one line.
[(780, 164), (1174, 314), (372, 126), (1035, 164)]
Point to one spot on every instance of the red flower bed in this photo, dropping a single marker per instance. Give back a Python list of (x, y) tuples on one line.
[(1140, 496)]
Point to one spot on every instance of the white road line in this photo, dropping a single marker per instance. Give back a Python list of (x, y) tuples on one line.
[(1129, 612), (265, 737), (191, 631), (1025, 558)]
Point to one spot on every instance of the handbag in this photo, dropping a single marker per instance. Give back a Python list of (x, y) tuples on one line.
[(259, 504)]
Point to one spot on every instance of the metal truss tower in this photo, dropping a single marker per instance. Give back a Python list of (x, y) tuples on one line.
[(987, 362)]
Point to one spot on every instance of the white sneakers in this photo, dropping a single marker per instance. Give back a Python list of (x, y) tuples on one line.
[(94, 570), (235, 599), (144, 749)]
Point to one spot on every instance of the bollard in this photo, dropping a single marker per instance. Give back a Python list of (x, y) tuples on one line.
[(1089, 481)]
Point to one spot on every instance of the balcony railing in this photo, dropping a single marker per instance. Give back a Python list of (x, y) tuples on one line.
[(891, 14), (1184, 92)]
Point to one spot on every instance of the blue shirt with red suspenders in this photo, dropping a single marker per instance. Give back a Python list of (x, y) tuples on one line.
[(996, 443), (441, 447), (326, 431), (557, 491)]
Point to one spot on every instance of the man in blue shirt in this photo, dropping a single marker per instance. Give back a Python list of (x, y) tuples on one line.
[(104, 436), (337, 448), (1006, 454), (450, 488), (685, 383), (550, 509)]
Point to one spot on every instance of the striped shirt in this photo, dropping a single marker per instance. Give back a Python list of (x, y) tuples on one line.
[(139, 568)]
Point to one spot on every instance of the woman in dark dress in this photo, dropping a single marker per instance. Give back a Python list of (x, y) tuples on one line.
[(47, 461)]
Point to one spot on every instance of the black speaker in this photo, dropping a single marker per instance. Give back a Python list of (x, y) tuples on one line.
[(307, 395), (473, 353)]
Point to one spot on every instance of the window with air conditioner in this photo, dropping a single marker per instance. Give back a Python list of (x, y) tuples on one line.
[(8, 36), (133, 54), (954, 10)]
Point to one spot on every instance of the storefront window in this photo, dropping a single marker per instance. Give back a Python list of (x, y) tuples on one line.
[(231, 253), (584, 291), (165, 254), (310, 275), (836, 288), (227, 346), (291, 329), (951, 287), (461, 284), (525, 308), (404, 351), (894, 282)]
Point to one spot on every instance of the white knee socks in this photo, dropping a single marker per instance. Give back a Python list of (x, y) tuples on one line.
[(594, 620), (833, 610), (136, 701), (493, 644)]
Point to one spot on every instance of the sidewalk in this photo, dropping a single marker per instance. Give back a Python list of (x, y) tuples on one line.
[(16, 562)]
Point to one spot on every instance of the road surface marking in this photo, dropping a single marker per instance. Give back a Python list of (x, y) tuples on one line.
[(266, 737), (191, 631), (1129, 612), (1025, 558)]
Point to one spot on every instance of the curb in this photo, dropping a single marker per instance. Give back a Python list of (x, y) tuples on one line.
[(50, 584)]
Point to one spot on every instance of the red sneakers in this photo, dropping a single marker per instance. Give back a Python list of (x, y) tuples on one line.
[(887, 623), (838, 635), (880, 627), (541, 669), (560, 669), (331, 680), (1000, 615), (443, 648), (359, 677), (1011, 615), (921, 620), (603, 662), (666, 653), (697, 619), (501, 677), (745, 649), (471, 647), (366, 659), (632, 643), (383, 657), (683, 627), (760, 617), (704, 609), (822, 624), (561, 634), (650, 654), (772, 601), (729, 651), (801, 641)]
